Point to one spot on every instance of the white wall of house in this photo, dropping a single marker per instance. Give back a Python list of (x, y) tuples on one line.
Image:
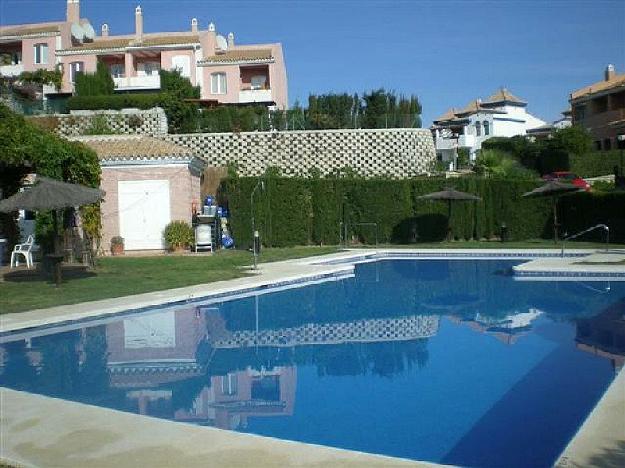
[(507, 121)]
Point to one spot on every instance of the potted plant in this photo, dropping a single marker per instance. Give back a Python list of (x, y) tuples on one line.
[(117, 245), (178, 235)]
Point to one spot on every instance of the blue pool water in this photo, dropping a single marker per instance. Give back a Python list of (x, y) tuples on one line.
[(449, 361)]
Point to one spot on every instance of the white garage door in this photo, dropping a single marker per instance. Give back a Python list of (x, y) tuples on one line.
[(144, 212)]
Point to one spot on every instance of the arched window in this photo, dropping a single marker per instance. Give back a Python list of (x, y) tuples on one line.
[(486, 128), (218, 83), (478, 129)]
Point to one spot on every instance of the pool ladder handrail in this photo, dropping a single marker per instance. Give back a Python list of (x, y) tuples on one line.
[(585, 231)]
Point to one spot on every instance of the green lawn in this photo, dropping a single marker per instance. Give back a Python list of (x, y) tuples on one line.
[(123, 276)]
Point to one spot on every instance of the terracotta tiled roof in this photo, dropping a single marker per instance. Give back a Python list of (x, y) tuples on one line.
[(471, 108), (133, 148), (148, 41), (169, 40), (241, 55), (604, 85), (28, 29), (102, 44), (449, 115), (503, 95)]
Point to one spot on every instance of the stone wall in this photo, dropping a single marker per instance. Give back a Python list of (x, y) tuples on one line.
[(123, 122), (398, 153)]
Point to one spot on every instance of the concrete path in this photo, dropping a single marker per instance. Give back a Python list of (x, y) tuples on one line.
[(600, 442), (594, 264), (48, 432)]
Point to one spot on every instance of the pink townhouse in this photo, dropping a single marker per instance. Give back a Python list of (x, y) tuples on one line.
[(226, 73)]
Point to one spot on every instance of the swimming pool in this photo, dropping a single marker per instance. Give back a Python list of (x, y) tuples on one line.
[(446, 360)]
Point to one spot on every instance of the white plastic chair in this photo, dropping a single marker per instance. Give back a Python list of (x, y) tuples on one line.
[(24, 249)]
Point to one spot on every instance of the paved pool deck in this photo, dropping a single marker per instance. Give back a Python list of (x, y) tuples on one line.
[(41, 431)]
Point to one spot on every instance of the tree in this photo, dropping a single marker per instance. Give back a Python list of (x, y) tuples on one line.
[(95, 84), (182, 116), (573, 140), (28, 148)]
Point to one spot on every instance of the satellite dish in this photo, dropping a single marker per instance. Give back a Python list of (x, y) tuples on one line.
[(222, 44), (89, 32), (78, 33)]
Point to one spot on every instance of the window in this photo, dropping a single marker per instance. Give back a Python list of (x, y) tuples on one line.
[(74, 69), (41, 54), (478, 129), (151, 68), (258, 82), (229, 384), (486, 127), (117, 70), (218, 83), (607, 144)]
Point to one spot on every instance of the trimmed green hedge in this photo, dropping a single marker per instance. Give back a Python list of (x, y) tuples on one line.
[(293, 211), (115, 101), (595, 164)]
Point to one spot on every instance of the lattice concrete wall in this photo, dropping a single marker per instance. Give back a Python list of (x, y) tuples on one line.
[(359, 331), (398, 153), (124, 122)]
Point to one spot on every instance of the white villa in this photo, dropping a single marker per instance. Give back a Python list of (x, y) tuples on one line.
[(502, 115)]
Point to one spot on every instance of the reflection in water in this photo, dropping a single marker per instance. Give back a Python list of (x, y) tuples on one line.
[(243, 364), (604, 334)]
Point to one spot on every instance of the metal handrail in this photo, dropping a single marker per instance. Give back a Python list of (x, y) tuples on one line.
[(574, 236)]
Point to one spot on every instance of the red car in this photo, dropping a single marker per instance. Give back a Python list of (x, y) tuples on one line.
[(569, 177)]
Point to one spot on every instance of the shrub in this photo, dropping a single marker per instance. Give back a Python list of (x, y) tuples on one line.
[(595, 164), (178, 235), (98, 125), (115, 101)]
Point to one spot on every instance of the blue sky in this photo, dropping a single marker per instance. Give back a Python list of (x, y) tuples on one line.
[(446, 52)]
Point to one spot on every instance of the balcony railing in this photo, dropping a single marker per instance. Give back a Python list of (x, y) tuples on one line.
[(466, 141), (138, 82), (460, 141), (11, 70), (255, 95)]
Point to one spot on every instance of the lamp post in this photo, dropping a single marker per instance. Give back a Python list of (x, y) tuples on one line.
[(255, 235)]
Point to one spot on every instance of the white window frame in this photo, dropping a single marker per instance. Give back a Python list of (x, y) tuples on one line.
[(38, 57), (486, 127), (221, 84)]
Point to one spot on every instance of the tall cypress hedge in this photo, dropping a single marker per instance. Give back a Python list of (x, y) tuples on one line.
[(300, 211)]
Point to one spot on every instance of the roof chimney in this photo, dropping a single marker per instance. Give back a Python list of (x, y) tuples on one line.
[(194, 25), (610, 73), (211, 27), (230, 40), (105, 30), (138, 24), (73, 11)]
